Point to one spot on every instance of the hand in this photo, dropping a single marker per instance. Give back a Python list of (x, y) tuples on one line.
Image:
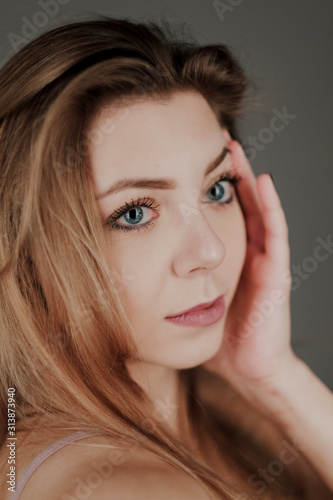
[(256, 347)]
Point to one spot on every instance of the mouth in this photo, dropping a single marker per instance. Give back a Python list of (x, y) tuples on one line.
[(204, 314)]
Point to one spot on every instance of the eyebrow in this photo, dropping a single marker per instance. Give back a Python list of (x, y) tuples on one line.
[(158, 183)]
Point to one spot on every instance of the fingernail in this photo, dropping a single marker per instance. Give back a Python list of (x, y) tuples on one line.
[(271, 177)]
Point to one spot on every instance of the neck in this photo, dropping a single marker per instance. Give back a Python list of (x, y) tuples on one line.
[(168, 394)]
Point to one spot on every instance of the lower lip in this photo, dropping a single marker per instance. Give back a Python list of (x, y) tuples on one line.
[(201, 317)]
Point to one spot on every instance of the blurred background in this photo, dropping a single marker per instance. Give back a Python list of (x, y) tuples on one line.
[(286, 49)]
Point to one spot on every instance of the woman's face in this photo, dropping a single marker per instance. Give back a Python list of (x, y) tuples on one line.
[(187, 245)]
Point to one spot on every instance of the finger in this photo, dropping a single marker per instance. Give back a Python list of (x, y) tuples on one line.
[(248, 196), (247, 188), (276, 227)]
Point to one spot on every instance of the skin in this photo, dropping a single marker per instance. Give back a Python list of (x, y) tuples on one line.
[(241, 250), (194, 252)]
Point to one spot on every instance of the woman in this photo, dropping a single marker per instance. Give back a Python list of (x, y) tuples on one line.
[(125, 202)]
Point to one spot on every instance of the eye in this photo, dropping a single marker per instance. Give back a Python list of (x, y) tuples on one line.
[(134, 215), (221, 189), (218, 191)]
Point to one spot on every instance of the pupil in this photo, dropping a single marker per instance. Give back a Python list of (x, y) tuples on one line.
[(131, 216), (217, 191), (132, 213)]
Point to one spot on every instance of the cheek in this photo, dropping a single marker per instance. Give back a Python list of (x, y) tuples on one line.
[(134, 269), (240, 234), (231, 229), (229, 225), (237, 245), (239, 239)]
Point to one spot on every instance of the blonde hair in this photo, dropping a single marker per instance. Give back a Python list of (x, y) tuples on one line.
[(64, 334)]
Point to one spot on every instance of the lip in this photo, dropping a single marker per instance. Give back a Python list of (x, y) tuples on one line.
[(204, 305), (204, 314)]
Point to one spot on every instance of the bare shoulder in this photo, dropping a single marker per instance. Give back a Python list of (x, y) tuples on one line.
[(98, 469), (149, 482)]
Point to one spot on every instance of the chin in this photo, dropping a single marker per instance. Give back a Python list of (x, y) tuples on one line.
[(205, 349)]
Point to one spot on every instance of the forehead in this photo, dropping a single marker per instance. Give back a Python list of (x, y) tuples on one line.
[(149, 136)]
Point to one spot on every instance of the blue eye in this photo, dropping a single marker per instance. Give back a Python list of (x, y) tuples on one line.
[(133, 214), (217, 191)]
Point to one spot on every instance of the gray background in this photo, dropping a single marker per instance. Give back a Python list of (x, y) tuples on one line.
[(285, 47)]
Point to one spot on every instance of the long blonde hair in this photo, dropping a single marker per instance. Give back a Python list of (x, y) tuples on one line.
[(64, 334)]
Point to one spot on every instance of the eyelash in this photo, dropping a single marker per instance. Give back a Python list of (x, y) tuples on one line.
[(111, 222)]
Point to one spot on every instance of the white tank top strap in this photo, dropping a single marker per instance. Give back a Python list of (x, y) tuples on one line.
[(45, 454)]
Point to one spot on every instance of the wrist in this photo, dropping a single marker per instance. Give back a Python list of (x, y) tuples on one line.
[(302, 406), (274, 396)]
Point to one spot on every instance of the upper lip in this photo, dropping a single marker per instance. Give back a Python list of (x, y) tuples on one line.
[(203, 305)]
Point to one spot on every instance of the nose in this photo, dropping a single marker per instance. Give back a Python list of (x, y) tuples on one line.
[(199, 248)]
